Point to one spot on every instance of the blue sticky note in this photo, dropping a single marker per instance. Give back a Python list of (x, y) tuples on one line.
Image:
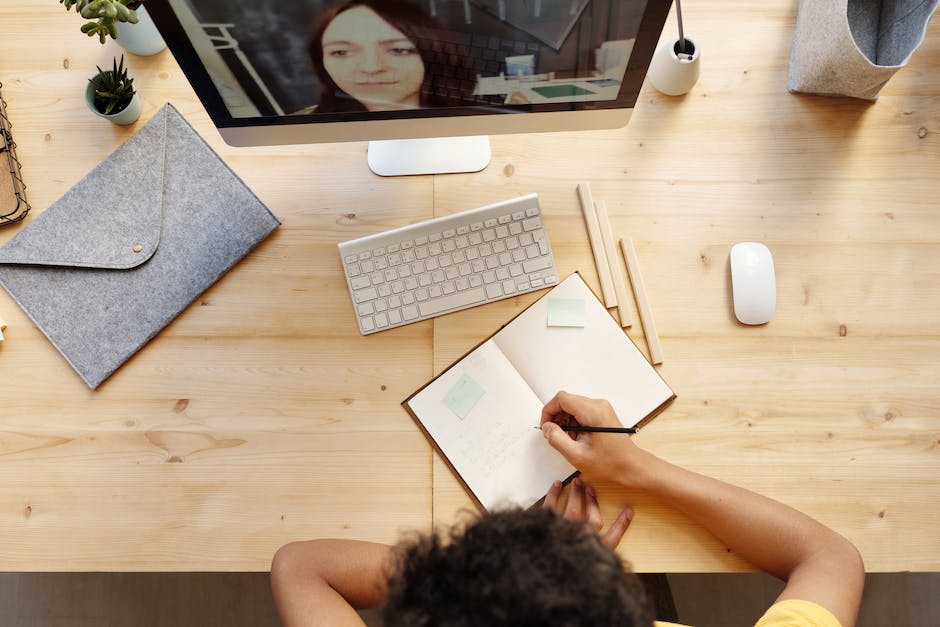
[(565, 312), (463, 396)]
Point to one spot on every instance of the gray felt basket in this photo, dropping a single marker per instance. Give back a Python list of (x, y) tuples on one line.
[(852, 47)]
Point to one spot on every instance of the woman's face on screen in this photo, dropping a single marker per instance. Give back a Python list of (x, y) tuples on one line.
[(372, 61)]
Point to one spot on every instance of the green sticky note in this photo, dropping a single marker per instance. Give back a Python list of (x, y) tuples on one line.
[(463, 396), (565, 312)]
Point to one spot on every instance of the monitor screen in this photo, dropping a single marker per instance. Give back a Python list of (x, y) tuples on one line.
[(289, 71)]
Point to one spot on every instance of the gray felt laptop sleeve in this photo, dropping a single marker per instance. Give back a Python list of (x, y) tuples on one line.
[(103, 269)]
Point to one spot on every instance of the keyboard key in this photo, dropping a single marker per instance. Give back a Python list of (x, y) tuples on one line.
[(365, 309), (407, 298), (385, 291), (381, 305), (532, 251), (489, 235), (367, 324), (377, 252), (531, 224), (515, 270), (509, 287), (367, 266), (360, 282), (394, 248), (489, 223), (449, 233), (381, 320), (502, 274), (533, 265), (377, 278), (366, 254), (394, 316), (505, 219), (515, 228), (353, 270), (476, 226), (421, 294), (394, 301), (454, 301), (518, 215), (537, 282), (350, 258), (532, 212), (366, 294), (494, 290), (434, 237)]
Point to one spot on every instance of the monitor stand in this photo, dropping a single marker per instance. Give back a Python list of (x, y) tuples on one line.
[(434, 155)]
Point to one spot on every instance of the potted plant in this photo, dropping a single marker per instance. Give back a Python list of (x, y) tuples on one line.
[(125, 21), (111, 95)]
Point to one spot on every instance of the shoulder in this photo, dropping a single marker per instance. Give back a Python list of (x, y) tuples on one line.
[(796, 613)]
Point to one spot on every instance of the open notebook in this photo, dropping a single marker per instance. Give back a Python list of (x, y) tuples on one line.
[(480, 412)]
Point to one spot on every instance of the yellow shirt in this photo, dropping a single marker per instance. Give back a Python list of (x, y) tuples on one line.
[(790, 613)]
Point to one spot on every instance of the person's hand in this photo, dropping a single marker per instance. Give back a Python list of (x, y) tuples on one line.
[(581, 506), (600, 456)]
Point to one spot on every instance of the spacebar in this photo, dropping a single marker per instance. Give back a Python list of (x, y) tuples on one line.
[(454, 301)]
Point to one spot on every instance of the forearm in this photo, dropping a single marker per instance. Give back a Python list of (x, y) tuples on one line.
[(772, 536), (322, 582), (817, 563)]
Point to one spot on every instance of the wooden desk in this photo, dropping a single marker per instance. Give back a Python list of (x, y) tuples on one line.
[(260, 415)]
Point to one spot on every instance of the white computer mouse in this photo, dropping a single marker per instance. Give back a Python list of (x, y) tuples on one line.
[(753, 283)]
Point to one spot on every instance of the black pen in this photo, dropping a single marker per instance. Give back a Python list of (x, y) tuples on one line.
[(583, 429)]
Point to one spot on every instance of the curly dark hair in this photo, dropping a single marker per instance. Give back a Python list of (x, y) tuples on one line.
[(523, 568), (437, 90)]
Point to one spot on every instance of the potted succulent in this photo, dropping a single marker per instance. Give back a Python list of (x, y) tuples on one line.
[(111, 95), (125, 21)]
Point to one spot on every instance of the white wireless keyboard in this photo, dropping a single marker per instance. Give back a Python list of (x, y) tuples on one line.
[(446, 264)]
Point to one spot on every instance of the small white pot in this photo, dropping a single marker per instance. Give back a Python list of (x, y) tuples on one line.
[(127, 115), (671, 73), (142, 38)]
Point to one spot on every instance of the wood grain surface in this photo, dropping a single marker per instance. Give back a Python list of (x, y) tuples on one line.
[(261, 416)]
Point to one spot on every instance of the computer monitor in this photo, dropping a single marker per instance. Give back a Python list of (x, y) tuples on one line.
[(435, 77)]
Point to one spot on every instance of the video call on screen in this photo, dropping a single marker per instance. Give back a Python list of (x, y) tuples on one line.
[(270, 58)]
